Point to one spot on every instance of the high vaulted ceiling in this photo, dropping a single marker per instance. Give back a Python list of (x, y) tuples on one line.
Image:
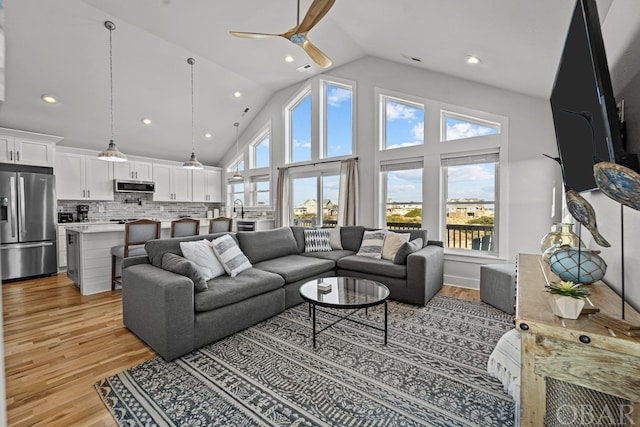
[(61, 48)]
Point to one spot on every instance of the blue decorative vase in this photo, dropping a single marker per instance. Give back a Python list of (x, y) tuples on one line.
[(577, 265)]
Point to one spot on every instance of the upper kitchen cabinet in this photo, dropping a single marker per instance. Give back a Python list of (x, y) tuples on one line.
[(27, 148), (207, 185), (173, 183), (83, 177), (133, 169)]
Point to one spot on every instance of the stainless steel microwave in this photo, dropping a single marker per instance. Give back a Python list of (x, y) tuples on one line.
[(122, 186)]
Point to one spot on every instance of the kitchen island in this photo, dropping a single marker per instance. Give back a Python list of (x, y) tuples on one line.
[(88, 247)]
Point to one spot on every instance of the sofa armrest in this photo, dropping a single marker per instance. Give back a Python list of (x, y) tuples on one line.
[(135, 260), (435, 243), (425, 273), (158, 306)]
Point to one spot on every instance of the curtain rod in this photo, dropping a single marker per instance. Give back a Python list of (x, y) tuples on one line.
[(317, 163)]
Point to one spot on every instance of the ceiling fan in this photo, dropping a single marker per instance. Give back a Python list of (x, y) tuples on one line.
[(298, 34)]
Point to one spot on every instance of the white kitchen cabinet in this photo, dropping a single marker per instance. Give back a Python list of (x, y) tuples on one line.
[(27, 148), (133, 169), (206, 186), (80, 177), (62, 246), (173, 183)]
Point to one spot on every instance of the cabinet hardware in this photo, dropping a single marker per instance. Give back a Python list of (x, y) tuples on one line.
[(88, 193), (17, 156), (11, 155), (83, 193)]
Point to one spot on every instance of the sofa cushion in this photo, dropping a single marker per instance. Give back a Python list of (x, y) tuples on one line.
[(263, 245), (407, 249), (371, 245), (392, 242), (317, 240), (351, 237), (230, 255), (335, 238), (201, 254), (298, 234), (296, 267), (333, 255), (380, 267), (225, 290), (420, 234), (184, 267), (158, 247)]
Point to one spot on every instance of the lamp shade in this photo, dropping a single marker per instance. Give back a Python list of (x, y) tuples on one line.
[(192, 163), (112, 154)]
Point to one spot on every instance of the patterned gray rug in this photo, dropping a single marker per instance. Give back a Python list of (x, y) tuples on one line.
[(432, 372)]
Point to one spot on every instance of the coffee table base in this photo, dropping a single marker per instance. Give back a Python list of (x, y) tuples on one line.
[(312, 313)]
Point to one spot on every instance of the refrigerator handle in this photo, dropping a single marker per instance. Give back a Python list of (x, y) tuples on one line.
[(12, 182), (23, 226)]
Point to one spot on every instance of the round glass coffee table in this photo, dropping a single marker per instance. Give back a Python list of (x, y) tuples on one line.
[(344, 293)]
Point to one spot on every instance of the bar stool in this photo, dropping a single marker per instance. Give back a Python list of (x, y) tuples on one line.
[(136, 233), (184, 227), (220, 224)]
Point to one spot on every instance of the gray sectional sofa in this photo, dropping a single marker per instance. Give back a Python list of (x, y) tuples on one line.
[(165, 310)]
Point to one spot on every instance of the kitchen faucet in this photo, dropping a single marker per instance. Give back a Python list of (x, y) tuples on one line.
[(241, 207)]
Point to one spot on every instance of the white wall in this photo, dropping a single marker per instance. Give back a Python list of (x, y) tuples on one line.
[(531, 177)]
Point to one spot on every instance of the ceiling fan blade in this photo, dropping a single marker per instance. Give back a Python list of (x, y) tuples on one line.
[(316, 54), (316, 12), (253, 35)]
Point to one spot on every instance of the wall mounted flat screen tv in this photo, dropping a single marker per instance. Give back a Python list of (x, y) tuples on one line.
[(583, 84)]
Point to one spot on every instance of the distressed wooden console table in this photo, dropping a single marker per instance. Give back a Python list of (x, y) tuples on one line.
[(575, 351)]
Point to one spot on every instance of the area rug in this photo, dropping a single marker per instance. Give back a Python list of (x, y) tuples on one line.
[(433, 371)]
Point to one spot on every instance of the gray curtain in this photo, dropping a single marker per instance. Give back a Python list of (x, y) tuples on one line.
[(348, 200), (282, 198)]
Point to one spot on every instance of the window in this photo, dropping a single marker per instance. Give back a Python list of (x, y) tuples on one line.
[(307, 191), (470, 193), (236, 191), (458, 126), (300, 130), (238, 165), (402, 192), (403, 123), (260, 188), (260, 148), (338, 122)]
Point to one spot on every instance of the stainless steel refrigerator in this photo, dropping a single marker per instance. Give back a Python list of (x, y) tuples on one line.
[(27, 222)]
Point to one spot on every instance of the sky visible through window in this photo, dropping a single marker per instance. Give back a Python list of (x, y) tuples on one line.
[(472, 181), (301, 131), (460, 129), (404, 125), (339, 121), (404, 186), (262, 153)]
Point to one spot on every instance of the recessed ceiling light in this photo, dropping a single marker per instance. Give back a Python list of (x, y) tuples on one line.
[(473, 59), (288, 58), (237, 94), (146, 121), (49, 99), (207, 135)]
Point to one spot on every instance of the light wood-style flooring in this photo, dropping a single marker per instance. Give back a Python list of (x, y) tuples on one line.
[(59, 343)]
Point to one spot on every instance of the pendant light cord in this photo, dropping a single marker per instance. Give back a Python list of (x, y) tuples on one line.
[(111, 28), (191, 61)]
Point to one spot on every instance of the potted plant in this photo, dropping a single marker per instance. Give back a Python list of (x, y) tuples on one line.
[(568, 298)]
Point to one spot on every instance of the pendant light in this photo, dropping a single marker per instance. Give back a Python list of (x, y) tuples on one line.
[(193, 162), (236, 174), (111, 154)]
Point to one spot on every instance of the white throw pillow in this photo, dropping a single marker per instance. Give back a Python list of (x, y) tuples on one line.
[(201, 254), (335, 239), (371, 245), (230, 255), (392, 242)]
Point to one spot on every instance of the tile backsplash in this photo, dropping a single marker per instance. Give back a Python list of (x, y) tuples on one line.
[(139, 205)]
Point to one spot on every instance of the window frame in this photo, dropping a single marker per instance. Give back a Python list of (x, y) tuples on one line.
[(253, 188), (444, 114), (323, 119), (318, 175), (256, 141), (408, 100), (493, 156), (384, 168), (288, 112)]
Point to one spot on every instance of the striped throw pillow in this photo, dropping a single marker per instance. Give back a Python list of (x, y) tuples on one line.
[(371, 245), (230, 255), (317, 240)]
